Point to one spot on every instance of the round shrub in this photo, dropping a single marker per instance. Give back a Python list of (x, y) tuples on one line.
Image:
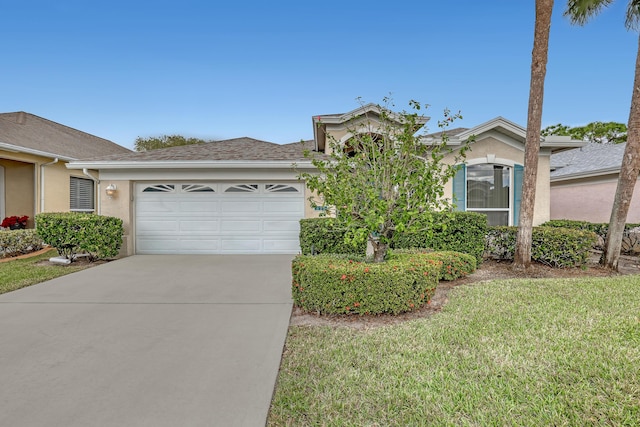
[(334, 285), (76, 232), (453, 265)]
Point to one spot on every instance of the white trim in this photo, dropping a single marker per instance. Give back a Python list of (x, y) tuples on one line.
[(2, 199), (496, 160), (198, 175), (191, 164), (18, 149)]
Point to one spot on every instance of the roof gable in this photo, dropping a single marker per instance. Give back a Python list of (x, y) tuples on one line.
[(501, 126), (33, 134)]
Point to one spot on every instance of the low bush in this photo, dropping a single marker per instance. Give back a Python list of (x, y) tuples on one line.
[(333, 285), (445, 231), (452, 265), (72, 233), (326, 236), (19, 242), (600, 229), (451, 231), (553, 246)]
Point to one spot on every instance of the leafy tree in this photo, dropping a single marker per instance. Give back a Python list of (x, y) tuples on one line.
[(522, 256), (598, 132), (385, 178), (164, 141), (579, 12)]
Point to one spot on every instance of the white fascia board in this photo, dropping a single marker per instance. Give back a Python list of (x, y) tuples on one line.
[(563, 144), (589, 174), (492, 124), (18, 149), (191, 164), (342, 118)]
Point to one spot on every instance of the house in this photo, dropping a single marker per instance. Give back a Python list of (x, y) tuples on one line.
[(243, 195), (33, 176), (583, 183)]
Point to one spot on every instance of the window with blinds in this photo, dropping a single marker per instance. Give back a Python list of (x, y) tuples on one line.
[(82, 195)]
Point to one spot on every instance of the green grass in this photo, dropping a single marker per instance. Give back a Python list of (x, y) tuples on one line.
[(516, 352), (18, 273)]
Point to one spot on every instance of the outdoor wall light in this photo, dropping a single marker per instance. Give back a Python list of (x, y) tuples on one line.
[(111, 190)]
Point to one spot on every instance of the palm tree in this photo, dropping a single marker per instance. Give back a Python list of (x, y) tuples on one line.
[(522, 257), (579, 12)]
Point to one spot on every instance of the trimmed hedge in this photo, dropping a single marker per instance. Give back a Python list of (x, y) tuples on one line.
[(19, 242), (600, 229), (326, 236), (554, 246), (453, 265), (452, 231), (328, 284), (459, 231), (75, 232)]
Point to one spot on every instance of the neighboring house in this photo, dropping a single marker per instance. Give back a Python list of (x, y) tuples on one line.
[(584, 181), (243, 196), (33, 176)]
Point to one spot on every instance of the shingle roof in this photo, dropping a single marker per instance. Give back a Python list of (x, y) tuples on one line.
[(449, 132), (591, 158), (36, 133), (240, 149)]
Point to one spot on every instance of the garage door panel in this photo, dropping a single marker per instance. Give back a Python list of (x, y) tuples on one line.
[(157, 226), (203, 218), (159, 245), (281, 245), (240, 226), (292, 207), (281, 226), (241, 206), (200, 226), (241, 245), (158, 206), (201, 245), (200, 206)]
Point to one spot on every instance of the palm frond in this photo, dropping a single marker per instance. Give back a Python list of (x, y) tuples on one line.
[(632, 20), (580, 11)]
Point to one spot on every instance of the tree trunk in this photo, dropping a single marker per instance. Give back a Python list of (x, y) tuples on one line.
[(522, 257), (627, 179), (379, 249)]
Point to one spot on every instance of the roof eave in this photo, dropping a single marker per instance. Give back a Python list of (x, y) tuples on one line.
[(191, 164), (587, 174), (19, 149)]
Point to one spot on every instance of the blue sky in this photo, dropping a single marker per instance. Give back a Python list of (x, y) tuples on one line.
[(123, 69)]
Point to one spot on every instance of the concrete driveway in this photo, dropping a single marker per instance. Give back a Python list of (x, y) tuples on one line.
[(147, 341)]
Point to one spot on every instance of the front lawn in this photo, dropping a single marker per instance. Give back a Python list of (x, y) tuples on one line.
[(513, 352), (18, 273)]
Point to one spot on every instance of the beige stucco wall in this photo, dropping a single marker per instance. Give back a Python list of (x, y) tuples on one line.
[(491, 150), (590, 200), (309, 211), (119, 206), (19, 195), (23, 177)]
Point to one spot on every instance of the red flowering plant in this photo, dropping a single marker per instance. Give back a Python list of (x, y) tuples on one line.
[(15, 222)]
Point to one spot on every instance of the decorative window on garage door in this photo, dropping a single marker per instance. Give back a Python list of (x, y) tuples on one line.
[(160, 188), (281, 188), (197, 188), (242, 188)]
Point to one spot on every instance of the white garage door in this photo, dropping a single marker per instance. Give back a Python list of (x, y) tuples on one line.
[(218, 218)]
